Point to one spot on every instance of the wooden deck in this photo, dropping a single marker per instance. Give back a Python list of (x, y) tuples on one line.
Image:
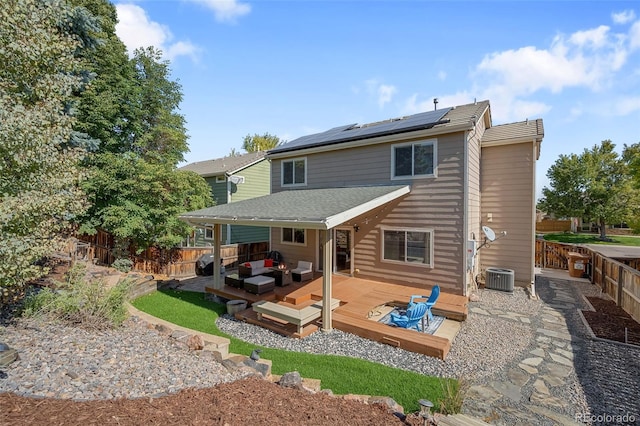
[(360, 298)]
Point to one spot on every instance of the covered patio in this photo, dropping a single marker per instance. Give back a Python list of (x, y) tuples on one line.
[(352, 299)]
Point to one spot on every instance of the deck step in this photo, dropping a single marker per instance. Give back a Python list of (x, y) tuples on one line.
[(460, 420)]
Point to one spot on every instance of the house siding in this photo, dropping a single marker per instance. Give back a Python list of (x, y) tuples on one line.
[(473, 196), (439, 200), (256, 184), (508, 188)]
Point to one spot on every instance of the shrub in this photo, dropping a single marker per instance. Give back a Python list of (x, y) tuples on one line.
[(81, 301), (122, 265), (454, 392)]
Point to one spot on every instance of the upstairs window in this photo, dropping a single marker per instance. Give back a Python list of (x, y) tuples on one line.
[(294, 172), (413, 160)]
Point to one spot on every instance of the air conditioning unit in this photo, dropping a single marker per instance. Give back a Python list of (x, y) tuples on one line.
[(499, 279)]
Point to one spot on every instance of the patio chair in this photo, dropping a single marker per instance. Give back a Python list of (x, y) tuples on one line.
[(431, 300), (303, 272), (415, 313)]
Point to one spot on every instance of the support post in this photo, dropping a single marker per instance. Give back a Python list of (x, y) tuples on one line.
[(326, 280), (217, 237)]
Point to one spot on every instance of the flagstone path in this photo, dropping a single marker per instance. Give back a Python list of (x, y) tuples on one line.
[(553, 382)]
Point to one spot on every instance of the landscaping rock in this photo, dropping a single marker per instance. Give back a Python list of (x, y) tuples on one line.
[(291, 380)]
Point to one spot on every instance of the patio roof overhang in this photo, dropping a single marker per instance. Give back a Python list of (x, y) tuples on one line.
[(304, 208)]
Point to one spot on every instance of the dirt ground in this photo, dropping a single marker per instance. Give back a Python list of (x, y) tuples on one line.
[(609, 321), (251, 401)]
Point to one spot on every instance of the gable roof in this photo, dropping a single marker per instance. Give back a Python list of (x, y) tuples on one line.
[(522, 131), (512, 133), (445, 119), (304, 208), (225, 165)]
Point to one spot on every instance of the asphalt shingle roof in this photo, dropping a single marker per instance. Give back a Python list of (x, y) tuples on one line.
[(220, 166), (306, 208)]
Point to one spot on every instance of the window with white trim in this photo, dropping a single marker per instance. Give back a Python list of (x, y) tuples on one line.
[(294, 172), (221, 179), (408, 246), (413, 160), (294, 236), (208, 233)]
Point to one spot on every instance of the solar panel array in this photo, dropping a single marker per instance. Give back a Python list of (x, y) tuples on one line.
[(351, 132)]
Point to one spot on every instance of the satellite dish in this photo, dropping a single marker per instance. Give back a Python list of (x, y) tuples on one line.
[(236, 179), (488, 232)]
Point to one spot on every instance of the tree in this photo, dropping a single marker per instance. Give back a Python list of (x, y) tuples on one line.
[(631, 156), (39, 174), (594, 185), (130, 110), (139, 201), (260, 142)]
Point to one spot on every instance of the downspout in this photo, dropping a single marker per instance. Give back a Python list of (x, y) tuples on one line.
[(228, 240), (532, 272)]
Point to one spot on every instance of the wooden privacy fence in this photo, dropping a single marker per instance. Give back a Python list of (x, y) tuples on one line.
[(621, 282), (553, 226), (618, 279), (175, 262)]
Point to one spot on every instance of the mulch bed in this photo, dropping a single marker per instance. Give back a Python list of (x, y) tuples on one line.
[(609, 321)]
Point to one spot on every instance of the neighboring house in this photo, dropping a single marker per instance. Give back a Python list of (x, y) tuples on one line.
[(234, 179), (399, 200)]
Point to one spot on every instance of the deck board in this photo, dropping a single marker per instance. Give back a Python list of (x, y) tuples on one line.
[(359, 298)]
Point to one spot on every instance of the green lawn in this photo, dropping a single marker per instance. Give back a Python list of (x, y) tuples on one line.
[(339, 373), (592, 239)]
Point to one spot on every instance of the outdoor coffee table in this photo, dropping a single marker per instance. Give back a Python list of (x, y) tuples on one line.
[(282, 276), (259, 284), (234, 280)]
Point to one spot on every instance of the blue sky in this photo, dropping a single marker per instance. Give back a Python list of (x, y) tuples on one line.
[(297, 67)]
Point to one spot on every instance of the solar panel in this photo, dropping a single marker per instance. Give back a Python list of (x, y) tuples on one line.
[(351, 132)]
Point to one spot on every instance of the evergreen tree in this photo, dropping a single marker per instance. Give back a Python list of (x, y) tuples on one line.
[(39, 174)]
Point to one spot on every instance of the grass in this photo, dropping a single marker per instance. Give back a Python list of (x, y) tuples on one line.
[(592, 239), (341, 374)]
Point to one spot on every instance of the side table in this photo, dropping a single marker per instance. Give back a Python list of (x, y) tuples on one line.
[(282, 276)]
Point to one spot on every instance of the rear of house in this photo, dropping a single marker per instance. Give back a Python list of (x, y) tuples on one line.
[(402, 200), (420, 239)]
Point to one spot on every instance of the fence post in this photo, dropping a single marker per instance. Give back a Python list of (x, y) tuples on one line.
[(620, 285), (544, 253)]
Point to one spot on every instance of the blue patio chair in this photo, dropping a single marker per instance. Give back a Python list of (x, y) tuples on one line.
[(415, 313), (431, 300)]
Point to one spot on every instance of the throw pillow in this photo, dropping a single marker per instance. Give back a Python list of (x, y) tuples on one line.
[(268, 263), (247, 264)]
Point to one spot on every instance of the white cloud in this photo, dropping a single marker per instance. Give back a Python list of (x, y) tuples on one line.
[(136, 30), (382, 92), (225, 10), (627, 105), (623, 17), (634, 36), (587, 59)]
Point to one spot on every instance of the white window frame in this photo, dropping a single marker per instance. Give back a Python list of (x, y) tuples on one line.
[(293, 243), (432, 142), (428, 231), (208, 233), (221, 179), (293, 160)]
